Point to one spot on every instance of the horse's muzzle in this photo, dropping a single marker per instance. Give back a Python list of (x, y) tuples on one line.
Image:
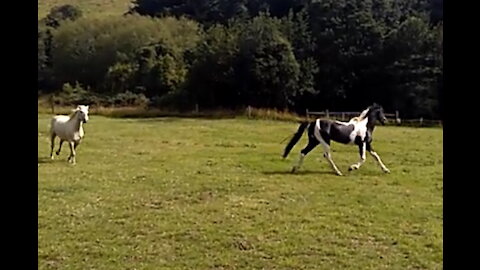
[(384, 121), (84, 121)]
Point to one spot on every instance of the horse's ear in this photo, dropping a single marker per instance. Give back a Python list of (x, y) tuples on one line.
[(88, 106)]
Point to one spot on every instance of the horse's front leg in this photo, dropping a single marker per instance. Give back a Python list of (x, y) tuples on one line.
[(362, 150), (377, 158), (59, 147), (71, 158)]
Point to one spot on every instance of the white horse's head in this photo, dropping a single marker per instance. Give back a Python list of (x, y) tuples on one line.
[(82, 113)]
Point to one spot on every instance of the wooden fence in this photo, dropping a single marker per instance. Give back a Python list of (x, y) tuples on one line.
[(393, 118)]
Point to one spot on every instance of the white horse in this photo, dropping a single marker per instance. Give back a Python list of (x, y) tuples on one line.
[(69, 128)]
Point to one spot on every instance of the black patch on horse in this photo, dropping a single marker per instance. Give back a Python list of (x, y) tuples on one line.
[(341, 133), (358, 140)]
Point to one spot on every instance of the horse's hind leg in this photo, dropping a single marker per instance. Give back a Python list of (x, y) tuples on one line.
[(52, 144), (328, 156), (59, 147), (377, 157), (311, 144)]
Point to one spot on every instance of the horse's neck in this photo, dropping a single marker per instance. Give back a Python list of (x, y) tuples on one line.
[(77, 124), (371, 123)]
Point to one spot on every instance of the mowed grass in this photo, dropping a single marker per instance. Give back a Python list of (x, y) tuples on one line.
[(176, 193), (88, 7)]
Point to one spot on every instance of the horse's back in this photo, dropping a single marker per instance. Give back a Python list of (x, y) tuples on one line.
[(57, 125), (60, 118)]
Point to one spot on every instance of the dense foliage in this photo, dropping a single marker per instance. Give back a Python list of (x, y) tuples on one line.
[(295, 54)]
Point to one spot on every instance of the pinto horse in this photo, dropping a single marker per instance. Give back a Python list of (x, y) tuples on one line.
[(68, 128), (358, 130)]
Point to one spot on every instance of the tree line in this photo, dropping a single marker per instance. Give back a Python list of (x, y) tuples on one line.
[(289, 54)]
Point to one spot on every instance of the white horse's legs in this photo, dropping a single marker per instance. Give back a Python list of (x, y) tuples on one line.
[(52, 144), (59, 147), (363, 157), (71, 158), (377, 157), (328, 156)]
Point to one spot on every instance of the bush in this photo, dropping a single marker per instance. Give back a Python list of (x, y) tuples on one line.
[(74, 95), (62, 13), (175, 100), (129, 99)]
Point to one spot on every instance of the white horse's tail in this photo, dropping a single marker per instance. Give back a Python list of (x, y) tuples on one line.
[(52, 124)]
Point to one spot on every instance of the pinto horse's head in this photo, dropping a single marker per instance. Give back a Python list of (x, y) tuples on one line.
[(82, 112), (378, 113)]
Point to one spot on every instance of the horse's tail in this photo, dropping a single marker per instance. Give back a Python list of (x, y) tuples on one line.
[(296, 137), (52, 125)]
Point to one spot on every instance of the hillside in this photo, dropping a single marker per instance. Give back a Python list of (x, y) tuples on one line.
[(88, 7)]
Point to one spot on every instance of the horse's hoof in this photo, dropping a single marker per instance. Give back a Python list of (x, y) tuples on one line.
[(52, 158), (294, 170), (353, 167), (386, 171), (339, 174)]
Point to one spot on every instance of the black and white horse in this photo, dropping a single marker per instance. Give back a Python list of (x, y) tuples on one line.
[(358, 130)]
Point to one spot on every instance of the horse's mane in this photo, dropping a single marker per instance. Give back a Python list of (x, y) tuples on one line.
[(72, 114), (362, 116)]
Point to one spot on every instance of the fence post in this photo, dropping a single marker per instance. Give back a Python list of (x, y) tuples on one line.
[(249, 111), (306, 114), (52, 103), (421, 121), (196, 108), (397, 118), (343, 116), (327, 114)]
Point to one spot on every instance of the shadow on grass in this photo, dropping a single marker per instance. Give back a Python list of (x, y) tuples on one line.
[(46, 160), (303, 172)]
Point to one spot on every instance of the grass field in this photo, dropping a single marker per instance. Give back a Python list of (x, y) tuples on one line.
[(88, 7), (178, 193)]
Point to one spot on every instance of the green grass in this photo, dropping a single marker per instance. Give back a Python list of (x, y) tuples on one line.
[(88, 7), (179, 193)]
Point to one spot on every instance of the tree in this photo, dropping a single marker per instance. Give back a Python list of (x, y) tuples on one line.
[(45, 80), (267, 68), (414, 68), (85, 50), (245, 63), (211, 80), (297, 30), (210, 12), (159, 70)]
